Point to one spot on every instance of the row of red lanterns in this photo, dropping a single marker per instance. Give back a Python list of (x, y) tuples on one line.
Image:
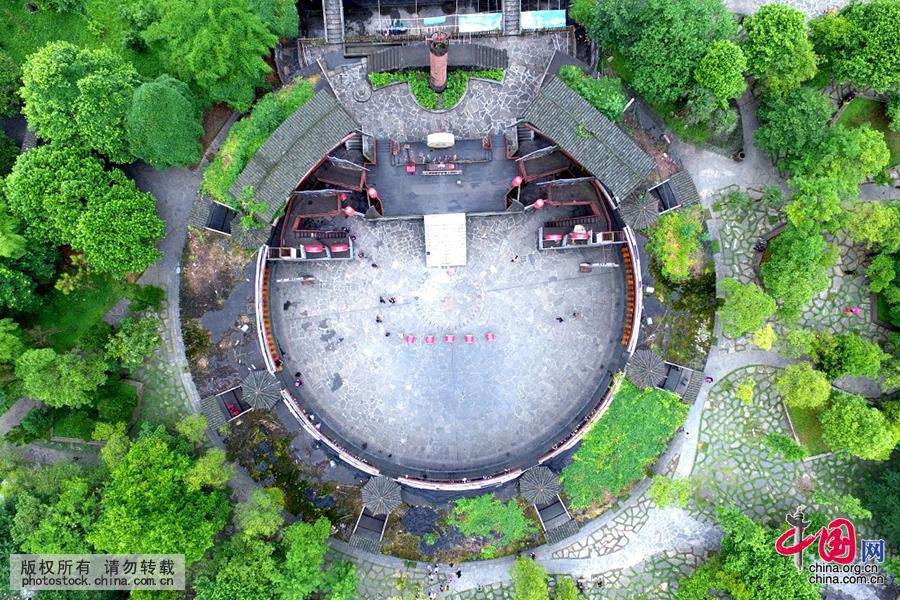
[(448, 339)]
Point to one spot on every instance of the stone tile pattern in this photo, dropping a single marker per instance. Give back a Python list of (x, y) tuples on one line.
[(613, 536), (741, 227), (486, 108), (733, 465), (446, 406)]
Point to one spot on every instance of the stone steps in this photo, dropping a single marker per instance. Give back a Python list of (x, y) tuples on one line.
[(693, 388), (334, 21), (365, 544), (511, 9), (558, 534)]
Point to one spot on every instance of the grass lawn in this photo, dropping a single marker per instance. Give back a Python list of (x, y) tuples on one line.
[(65, 319), (863, 110), (809, 430), (101, 25)]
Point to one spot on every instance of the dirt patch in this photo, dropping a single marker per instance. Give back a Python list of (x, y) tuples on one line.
[(211, 267), (665, 164), (213, 121)]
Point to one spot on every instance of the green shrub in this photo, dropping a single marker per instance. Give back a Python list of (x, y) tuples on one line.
[(666, 491), (249, 134), (145, 297), (529, 580), (802, 386), (419, 86), (116, 402), (37, 423), (623, 443), (744, 391), (485, 516), (603, 94), (75, 424), (785, 446), (893, 112)]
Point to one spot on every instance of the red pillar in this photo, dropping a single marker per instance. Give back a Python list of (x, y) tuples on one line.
[(437, 48)]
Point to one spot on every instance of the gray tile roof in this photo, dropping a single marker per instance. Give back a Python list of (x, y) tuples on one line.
[(684, 189), (608, 154), (293, 149)]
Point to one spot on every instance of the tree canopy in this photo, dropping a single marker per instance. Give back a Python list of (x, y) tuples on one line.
[(798, 268), (778, 49), (529, 580), (675, 243), (721, 71), (485, 516), (671, 39), (861, 43), (746, 307), (851, 425), (792, 124), (60, 379), (163, 123), (802, 386), (80, 97), (146, 506), (280, 16), (218, 45)]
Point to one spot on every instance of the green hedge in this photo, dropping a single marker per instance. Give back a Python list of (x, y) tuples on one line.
[(249, 134), (74, 425), (457, 82)]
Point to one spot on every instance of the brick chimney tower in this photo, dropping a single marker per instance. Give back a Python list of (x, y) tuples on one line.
[(437, 48)]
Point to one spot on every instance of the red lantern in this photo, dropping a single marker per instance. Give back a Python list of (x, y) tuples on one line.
[(373, 193), (349, 211), (429, 339), (410, 339), (517, 181), (489, 336), (342, 196), (449, 338), (539, 203), (470, 338)]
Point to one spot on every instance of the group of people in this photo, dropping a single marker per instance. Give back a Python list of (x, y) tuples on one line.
[(434, 574)]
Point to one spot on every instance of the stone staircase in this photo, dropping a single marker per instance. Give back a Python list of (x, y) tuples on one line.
[(511, 10), (693, 388), (385, 60), (334, 21), (365, 544), (558, 534), (488, 57)]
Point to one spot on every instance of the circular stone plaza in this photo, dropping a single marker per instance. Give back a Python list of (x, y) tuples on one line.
[(448, 312)]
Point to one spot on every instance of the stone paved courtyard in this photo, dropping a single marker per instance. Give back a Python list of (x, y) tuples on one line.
[(486, 107), (458, 408)]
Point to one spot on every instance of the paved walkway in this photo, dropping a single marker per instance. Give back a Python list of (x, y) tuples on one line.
[(812, 8), (16, 413)]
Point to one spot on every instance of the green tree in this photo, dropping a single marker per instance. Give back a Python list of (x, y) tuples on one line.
[(673, 37), (241, 569), (583, 12), (861, 43), (135, 340), (16, 290), (118, 231), (847, 504), (847, 354), (675, 243), (529, 580), (876, 224), (851, 425), (60, 379), (778, 49), (746, 307), (12, 341), (9, 85), (7, 545), (485, 516), (280, 16), (218, 45), (210, 470), (722, 71), (147, 508), (798, 268), (341, 582), (798, 343), (192, 428), (604, 94), (163, 123), (882, 497), (750, 569), (304, 546), (566, 589), (784, 446), (117, 442), (792, 124), (62, 523), (12, 243), (801, 386), (260, 515), (78, 96), (764, 337), (667, 491), (49, 187), (9, 152)]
